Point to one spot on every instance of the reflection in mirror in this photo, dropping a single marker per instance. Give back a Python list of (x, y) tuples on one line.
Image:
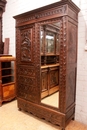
[(41, 41), (49, 41)]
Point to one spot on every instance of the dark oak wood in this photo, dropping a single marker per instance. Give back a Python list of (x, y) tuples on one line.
[(34, 61), (7, 78)]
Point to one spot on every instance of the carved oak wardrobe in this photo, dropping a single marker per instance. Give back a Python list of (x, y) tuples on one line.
[(46, 61)]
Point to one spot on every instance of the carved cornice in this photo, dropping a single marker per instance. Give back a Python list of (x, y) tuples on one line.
[(39, 15)]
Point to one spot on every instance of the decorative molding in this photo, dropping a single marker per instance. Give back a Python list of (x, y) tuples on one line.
[(48, 13), (63, 55), (73, 14), (42, 112)]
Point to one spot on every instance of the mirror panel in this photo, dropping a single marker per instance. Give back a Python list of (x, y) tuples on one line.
[(49, 41), (41, 41)]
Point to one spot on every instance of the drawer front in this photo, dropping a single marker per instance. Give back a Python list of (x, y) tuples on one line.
[(8, 91)]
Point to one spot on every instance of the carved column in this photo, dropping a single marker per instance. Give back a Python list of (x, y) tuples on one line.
[(2, 9)]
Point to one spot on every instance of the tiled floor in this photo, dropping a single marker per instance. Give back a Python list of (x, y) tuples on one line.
[(12, 119)]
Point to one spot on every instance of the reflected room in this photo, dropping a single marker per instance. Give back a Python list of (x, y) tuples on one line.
[(49, 41)]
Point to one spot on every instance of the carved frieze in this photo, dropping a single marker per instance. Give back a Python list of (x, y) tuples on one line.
[(60, 10)]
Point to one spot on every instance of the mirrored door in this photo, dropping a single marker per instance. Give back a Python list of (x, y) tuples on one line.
[(49, 41)]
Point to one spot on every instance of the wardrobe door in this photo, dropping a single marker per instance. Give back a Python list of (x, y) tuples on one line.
[(28, 66)]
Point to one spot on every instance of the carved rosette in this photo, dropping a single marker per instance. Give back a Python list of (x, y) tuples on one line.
[(63, 56)]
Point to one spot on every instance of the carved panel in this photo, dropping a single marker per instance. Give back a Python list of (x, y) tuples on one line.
[(26, 71), (70, 93), (26, 45), (27, 88), (27, 83), (71, 64), (72, 47)]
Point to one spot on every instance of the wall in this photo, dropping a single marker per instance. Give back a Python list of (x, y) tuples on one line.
[(81, 93), (15, 7)]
